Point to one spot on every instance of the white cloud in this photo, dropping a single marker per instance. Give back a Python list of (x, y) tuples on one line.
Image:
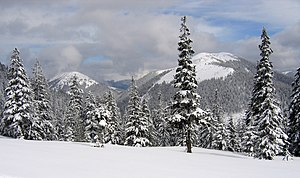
[(138, 36)]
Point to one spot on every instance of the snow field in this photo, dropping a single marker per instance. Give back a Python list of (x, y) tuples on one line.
[(36, 159)]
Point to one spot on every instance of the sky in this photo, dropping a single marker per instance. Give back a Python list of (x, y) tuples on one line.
[(116, 39)]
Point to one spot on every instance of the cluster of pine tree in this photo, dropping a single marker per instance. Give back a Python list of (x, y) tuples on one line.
[(29, 112)]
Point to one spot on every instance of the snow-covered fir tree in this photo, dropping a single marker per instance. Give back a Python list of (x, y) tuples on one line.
[(207, 132), (18, 120), (248, 138), (137, 133), (102, 115), (95, 120), (146, 114), (294, 116), (91, 126), (43, 110), (264, 118), (113, 128), (74, 128), (161, 129), (164, 129), (185, 107), (220, 140), (59, 107), (220, 137), (233, 143), (146, 111), (216, 108)]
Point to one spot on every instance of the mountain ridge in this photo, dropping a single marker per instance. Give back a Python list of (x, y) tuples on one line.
[(62, 81), (230, 75)]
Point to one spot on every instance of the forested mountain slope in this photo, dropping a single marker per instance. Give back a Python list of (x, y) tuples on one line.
[(230, 75)]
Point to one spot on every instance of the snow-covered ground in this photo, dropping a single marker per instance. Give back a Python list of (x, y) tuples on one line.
[(41, 159)]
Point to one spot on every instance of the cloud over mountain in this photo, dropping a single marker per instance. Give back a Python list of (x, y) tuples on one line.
[(126, 38)]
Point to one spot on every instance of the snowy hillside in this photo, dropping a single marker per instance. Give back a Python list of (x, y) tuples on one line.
[(232, 76), (207, 67), (63, 80), (36, 159)]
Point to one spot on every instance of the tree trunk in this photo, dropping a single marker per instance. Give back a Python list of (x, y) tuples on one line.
[(188, 140)]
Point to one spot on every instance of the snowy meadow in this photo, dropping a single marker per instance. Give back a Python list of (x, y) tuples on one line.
[(49, 159)]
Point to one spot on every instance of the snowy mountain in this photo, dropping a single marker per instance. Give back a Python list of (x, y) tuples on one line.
[(208, 66), (290, 73), (63, 80), (48, 159), (230, 75)]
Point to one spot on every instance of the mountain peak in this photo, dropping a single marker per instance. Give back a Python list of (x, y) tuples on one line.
[(209, 58), (206, 67), (62, 80)]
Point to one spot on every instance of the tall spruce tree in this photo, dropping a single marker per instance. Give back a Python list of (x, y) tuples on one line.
[(74, 126), (185, 107), (41, 99), (18, 121), (59, 100), (207, 132), (233, 143), (220, 137), (95, 120), (137, 133), (146, 114), (113, 128), (161, 129), (294, 116), (264, 117)]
